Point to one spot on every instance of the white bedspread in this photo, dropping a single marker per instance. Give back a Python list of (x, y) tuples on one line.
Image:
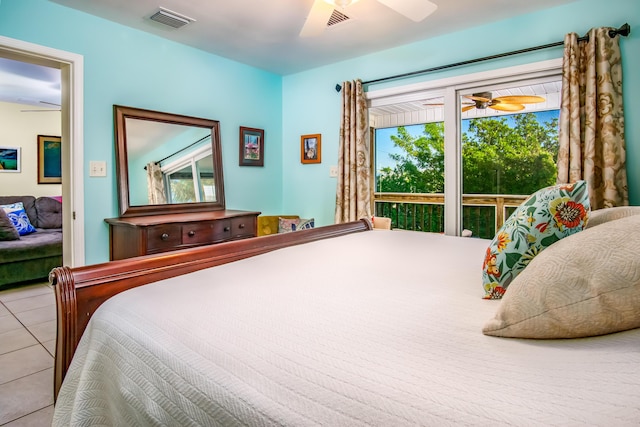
[(377, 328)]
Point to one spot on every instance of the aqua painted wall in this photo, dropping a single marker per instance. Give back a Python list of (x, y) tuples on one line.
[(311, 105), (128, 67)]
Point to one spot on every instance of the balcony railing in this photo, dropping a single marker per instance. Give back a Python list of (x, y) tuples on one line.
[(483, 214)]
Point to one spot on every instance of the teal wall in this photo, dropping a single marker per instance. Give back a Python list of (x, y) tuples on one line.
[(129, 67), (311, 105)]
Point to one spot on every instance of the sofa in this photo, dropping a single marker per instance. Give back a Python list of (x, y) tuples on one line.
[(34, 255)]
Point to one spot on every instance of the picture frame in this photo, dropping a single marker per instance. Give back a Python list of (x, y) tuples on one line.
[(10, 159), (251, 146), (311, 148), (49, 159)]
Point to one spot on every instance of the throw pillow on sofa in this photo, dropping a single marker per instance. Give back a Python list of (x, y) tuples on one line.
[(7, 230), (18, 216)]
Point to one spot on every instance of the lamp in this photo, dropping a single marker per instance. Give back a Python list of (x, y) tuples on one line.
[(340, 3)]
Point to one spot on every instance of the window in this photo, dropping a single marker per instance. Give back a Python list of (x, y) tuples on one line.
[(190, 179), (463, 156)]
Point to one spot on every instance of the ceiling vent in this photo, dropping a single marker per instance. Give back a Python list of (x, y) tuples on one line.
[(337, 17), (171, 18)]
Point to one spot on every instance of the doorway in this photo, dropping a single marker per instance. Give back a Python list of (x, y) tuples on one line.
[(71, 67)]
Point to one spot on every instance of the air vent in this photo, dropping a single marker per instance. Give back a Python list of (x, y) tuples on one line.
[(171, 18), (337, 17)]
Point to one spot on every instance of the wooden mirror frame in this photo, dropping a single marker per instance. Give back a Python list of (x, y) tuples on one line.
[(122, 170)]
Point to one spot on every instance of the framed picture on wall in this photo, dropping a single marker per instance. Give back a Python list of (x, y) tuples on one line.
[(49, 159), (311, 148), (9, 159), (251, 146)]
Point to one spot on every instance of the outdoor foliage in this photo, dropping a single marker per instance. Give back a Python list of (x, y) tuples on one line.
[(497, 158)]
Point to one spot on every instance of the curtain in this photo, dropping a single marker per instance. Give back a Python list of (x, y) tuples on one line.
[(353, 194), (591, 135), (155, 184)]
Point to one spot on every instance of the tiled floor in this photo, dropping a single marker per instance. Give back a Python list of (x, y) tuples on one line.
[(27, 345)]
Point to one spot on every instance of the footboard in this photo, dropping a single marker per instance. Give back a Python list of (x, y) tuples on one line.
[(80, 291)]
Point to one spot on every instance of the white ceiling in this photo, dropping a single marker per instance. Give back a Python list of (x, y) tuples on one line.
[(265, 33)]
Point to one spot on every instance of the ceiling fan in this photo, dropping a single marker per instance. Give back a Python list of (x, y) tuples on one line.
[(323, 12), (483, 100), (44, 111)]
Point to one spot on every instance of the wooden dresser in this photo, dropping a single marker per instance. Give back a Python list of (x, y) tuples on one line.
[(151, 234)]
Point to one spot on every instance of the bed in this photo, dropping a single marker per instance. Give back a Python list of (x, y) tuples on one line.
[(340, 326)]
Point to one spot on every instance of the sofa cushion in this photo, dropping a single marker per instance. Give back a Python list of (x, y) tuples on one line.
[(49, 212), (29, 203), (44, 243), (7, 230)]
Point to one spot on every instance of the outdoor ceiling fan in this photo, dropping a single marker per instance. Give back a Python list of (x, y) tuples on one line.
[(322, 12), (483, 100)]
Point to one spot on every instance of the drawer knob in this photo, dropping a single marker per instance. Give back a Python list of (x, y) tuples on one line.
[(191, 233), (164, 236), (227, 228), (241, 226)]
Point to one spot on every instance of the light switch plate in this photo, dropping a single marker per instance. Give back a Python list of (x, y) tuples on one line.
[(333, 171), (97, 168)]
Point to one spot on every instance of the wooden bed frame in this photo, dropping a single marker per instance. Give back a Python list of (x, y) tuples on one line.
[(80, 291)]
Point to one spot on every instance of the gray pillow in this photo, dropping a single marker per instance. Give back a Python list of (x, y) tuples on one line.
[(7, 230)]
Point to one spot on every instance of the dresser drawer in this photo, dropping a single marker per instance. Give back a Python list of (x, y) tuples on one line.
[(243, 226), (164, 237), (198, 233), (152, 234)]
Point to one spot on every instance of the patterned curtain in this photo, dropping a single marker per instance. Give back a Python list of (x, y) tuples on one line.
[(353, 195), (155, 185), (591, 136)]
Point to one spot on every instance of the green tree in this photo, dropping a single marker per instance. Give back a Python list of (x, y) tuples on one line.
[(497, 158), (420, 169)]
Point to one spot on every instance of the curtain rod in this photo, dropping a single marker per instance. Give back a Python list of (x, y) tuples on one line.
[(624, 31), (157, 162)]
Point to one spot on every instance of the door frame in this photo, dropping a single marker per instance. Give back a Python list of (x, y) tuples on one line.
[(71, 66)]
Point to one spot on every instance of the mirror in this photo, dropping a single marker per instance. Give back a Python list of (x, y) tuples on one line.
[(167, 163)]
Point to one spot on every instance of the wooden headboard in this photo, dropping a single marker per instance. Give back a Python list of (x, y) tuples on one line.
[(80, 291)]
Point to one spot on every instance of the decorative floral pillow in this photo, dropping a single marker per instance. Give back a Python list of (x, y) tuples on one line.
[(19, 218), (545, 217), (303, 224), (286, 225)]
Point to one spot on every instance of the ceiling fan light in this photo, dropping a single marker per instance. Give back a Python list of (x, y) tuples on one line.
[(340, 3)]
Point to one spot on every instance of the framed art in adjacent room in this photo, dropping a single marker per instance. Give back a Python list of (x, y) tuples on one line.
[(311, 148), (49, 159), (251, 146), (9, 159)]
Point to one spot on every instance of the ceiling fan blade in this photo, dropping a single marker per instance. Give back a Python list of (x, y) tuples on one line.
[(37, 111), (520, 99), (477, 98), (507, 107), (468, 107), (317, 19), (416, 10)]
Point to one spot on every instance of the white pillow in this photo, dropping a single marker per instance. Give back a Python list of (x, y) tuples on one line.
[(601, 216), (583, 285)]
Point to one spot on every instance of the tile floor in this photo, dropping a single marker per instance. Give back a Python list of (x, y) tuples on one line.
[(27, 346)]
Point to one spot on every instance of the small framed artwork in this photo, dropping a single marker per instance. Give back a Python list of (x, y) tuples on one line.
[(251, 146), (311, 148), (9, 159), (49, 159)]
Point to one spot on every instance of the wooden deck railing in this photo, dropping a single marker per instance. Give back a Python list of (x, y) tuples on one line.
[(483, 214)]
